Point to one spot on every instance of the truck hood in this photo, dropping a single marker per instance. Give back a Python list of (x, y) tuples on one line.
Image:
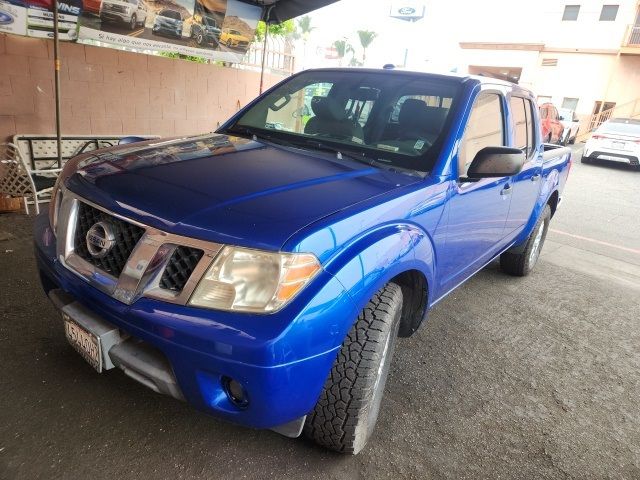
[(226, 189)]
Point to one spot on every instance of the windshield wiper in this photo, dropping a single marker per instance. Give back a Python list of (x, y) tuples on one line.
[(357, 156), (258, 134)]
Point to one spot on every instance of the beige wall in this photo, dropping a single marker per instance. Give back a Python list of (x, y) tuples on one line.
[(590, 77), (107, 91)]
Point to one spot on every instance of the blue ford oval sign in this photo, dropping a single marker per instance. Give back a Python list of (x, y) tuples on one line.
[(406, 11), (5, 18)]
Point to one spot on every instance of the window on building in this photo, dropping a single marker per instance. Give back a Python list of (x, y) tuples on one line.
[(570, 13), (484, 129), (570, 103), (609, 13)]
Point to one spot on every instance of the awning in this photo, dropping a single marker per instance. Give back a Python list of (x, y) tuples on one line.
[(281, 10)]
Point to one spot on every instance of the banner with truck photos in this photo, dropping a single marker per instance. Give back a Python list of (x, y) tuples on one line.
[(213, 29)]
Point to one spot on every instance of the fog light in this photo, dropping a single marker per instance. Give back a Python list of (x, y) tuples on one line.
[(235, 391)]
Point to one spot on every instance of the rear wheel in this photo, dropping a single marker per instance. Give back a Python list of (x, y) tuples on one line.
[(585, 159), (520, 264), (347, 410)]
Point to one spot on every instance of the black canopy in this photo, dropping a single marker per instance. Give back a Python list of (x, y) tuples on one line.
[(276, 11)]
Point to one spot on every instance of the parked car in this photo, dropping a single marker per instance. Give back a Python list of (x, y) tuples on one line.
[(168, 21), (205, 30), (91, 6), (234, 39), (571, 125), (617, 139), (552, 128), (264, 274), (131, 12)]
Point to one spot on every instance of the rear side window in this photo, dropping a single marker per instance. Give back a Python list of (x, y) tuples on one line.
[(522, 120), (531, 144), (484, 129), (519, 120)]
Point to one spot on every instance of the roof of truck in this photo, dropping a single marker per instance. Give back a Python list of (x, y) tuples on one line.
[(450, 75)]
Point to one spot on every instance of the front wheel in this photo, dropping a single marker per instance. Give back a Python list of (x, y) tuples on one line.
[(520, 264), (346, 412), (133, 22)]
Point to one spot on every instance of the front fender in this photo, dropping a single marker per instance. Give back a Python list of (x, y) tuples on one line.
[(374, 259)]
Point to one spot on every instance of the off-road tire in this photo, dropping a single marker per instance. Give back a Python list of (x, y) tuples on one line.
[(347, 410), (520, 264)]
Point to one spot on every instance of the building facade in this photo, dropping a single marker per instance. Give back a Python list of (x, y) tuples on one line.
[(583, 55)]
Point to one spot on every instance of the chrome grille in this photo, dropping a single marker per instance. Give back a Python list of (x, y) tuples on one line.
[(126, 235), (135, 260), (180, 267)]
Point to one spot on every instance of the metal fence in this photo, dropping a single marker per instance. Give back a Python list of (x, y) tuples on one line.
[(633, 36)]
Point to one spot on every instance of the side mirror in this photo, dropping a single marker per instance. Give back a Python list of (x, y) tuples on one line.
[(496, 162)]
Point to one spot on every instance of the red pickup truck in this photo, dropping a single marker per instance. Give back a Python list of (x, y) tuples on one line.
[(552, 128)]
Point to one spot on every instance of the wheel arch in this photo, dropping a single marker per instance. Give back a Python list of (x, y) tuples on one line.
[(554, 198), (402, 254)]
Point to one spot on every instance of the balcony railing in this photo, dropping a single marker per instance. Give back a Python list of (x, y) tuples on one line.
[(632, 38)]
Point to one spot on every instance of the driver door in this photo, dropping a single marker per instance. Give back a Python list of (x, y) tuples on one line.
[(478, 210)]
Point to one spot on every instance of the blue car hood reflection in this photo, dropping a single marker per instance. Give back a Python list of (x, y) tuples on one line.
[(227, 189)]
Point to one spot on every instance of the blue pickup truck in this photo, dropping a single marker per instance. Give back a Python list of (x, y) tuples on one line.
[(263, 273)]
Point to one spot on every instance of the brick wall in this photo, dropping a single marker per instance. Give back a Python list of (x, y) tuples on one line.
[(107, 91)]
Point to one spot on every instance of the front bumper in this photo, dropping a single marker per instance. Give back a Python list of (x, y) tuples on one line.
[(281, 359), (115, 16)]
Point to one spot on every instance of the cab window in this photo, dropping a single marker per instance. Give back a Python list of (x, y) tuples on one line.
[(485, 128), (522, 123)]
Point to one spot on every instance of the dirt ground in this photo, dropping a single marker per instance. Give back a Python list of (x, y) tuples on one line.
[(536, 377)]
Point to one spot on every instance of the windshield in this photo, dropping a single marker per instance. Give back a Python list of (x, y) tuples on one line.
[(621, 127), (565, 114), (170, 14), (396, 119)]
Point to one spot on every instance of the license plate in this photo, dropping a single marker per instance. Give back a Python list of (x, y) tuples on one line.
[(619, 145), (85, 343)]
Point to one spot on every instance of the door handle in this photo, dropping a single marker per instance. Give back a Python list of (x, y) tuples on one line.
[(535, 178), (506, 190)]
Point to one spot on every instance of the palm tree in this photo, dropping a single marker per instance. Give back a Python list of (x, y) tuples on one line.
[(304, 24), (366, 38), (343, 47)]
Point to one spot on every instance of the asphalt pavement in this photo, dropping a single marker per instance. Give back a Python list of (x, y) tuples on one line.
[(511, 378)]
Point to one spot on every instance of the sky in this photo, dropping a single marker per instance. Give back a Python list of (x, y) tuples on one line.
[(430, 42)]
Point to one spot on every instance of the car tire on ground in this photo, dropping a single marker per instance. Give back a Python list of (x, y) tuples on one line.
[(199, 38), (521, 264), (133, 22), (346, 412), (584, 159)]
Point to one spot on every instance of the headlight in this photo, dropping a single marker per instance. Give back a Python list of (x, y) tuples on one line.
[(242, 279), (54, 205)]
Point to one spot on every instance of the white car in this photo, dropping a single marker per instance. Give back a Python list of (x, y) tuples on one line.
[(131, 12), (571, 124), (617, 139)]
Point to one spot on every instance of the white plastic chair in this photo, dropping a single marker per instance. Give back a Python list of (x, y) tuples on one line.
[(17, 181)]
